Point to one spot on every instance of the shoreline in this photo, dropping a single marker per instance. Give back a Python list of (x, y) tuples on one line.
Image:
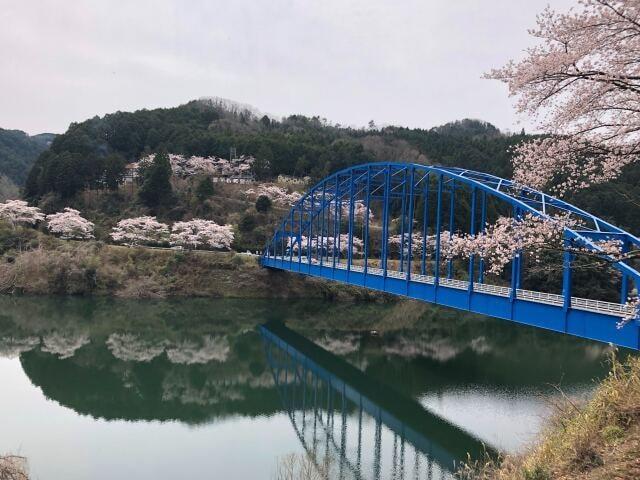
[(93, 268)]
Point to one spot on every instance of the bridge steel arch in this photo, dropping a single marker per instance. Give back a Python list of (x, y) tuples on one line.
[(329, 233)]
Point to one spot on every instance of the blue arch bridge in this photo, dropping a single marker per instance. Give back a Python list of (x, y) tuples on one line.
[(384, 226)]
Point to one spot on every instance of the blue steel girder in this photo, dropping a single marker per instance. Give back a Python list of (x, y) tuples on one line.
[(387, 182), (506, 190)]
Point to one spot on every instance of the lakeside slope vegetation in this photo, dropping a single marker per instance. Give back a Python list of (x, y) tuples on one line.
[(596, 441)]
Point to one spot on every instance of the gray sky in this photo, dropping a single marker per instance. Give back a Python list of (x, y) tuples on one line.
[(403, 62)]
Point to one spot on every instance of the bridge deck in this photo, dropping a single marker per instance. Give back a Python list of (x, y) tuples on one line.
[(586, 304), (593, 319)]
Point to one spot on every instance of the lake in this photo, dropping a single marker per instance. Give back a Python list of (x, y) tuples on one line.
[(208, 388)]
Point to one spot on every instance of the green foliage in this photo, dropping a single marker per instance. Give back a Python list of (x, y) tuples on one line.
[(263, 204), (613, 433), (204, 189), (18, 152), (16, 238), (156, 186), (247, 223), (113, 170), (8, 189), (536, 473)]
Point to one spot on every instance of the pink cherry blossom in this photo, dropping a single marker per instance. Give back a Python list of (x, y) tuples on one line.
[(69, 224), (582, 85), (19, 211), (140, 231), (633, 309), (185, 166), (327, 243), (278, 195), (202, 233)]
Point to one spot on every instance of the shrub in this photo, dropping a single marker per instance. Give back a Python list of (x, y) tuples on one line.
[(263, 204), (247, 223)]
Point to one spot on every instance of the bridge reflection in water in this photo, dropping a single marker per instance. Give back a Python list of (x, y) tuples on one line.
[(353, 427)]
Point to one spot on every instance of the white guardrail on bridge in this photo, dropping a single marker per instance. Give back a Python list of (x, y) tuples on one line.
[(598, 306)]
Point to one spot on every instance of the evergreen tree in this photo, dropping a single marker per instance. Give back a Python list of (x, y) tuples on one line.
[(247, 223), (156, 186), (204, 189), (113, 170), (263, 204)]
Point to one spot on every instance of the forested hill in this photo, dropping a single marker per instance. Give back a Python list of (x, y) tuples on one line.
[(295, 145), (18, 152)]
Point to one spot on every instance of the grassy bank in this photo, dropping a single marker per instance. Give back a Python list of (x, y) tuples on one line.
[(595, 441), (44, 265)]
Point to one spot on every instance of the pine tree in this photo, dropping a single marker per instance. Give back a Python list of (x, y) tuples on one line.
[(156, 186), (204, 189)]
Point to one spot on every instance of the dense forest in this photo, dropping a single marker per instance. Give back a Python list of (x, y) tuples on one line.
[(18, 152), (295, 145)]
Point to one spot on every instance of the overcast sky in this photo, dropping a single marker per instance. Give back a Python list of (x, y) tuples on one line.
[(415, 63)]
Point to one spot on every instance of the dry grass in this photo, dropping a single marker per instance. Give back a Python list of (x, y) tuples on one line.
[(597, 441), (298, 467), (13, 467), (57, 267)]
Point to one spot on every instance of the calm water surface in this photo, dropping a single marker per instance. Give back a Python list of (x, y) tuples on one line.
[(106, 389)]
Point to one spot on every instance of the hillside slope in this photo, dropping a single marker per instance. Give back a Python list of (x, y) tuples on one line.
[(18, 152)]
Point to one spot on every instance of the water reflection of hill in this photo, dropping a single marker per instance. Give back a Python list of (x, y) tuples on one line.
[(201, 359)]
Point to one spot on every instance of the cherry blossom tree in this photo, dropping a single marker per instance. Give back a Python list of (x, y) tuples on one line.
[(184, 166), (140, 231), (276, 194), (202, 233), (19, 211), (416, 243), (69, 224), (359, 210), (582, 85), (327, 243)]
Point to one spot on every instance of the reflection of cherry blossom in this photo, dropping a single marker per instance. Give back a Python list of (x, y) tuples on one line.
[(11, 347), (178, 388), (212, 349), (128, 347), (340, 346), (440, 349), (62, 344)]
